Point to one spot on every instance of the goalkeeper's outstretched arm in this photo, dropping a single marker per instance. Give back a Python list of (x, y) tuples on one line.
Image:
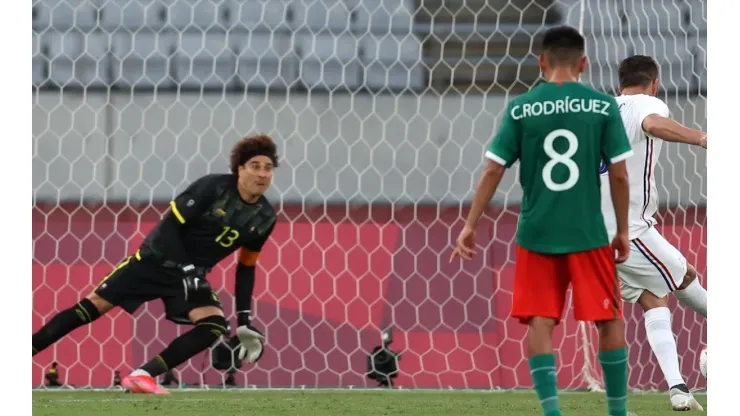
[(250, 338), (672, 131), (243, 290)]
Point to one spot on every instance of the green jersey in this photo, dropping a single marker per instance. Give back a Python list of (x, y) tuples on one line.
[(560, 133)]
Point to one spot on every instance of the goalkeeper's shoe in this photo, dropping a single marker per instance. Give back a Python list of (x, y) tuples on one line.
[(142, 384), (682, 400)]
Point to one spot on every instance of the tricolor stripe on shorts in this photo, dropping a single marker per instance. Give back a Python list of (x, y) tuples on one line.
[(655, 261), (648, 173)]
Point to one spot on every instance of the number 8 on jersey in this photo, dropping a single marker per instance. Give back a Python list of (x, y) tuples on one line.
[(563, 158)]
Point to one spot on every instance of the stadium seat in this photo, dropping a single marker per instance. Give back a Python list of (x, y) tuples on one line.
[(382, 16), (604, 54), (78, 59), (393, 62), (205, 60), (391, 48), (64, 14), (328, 61), (317, 15), (143, 59), (256, 14), (601, 17), (37, 60), (194, 14), (396, 76), (654, 16), (265, 59), (674, 56), (696, 11), (131, 15), (700, 62)]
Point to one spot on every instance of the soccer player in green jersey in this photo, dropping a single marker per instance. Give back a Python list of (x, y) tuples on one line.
[(560, 132)]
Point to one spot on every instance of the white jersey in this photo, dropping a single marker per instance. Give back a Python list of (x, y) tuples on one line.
[(640, 166)]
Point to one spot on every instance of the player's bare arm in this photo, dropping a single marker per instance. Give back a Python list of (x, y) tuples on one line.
[(619, 184), (487, 185), (670, 130)]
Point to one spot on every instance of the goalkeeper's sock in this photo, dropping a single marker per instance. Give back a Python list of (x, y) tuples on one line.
[(660, 337), (63, 323), (695, 297), (544, 377), (614, 365), (140, 372), (202, 336)]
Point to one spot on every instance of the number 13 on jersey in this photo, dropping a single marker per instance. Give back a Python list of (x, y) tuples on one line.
[(228, 237)]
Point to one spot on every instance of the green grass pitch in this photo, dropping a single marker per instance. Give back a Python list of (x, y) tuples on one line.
[(344, 402)]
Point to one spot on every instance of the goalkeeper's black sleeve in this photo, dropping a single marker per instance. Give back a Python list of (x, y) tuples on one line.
[(244, 285), (243, 292)]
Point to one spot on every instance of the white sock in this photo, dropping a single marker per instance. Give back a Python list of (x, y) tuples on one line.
[(660, 337), (140, 372), (695, 297)]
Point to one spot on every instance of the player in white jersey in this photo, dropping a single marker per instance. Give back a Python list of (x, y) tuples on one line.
[(654, 268)]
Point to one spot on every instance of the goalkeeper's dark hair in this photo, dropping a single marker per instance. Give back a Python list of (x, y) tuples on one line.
[(637, 71), (563, 45), (251, 146)]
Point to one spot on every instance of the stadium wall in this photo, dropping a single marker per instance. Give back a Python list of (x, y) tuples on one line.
[(335, 148), (329, 280)]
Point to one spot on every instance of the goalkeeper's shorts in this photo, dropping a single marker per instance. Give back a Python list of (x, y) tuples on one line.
[(541, 283), (136, 281)]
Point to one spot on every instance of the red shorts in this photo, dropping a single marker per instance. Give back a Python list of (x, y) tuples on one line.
[(541, 283)]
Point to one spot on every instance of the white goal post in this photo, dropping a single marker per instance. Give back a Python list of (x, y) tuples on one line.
[(382, 110)]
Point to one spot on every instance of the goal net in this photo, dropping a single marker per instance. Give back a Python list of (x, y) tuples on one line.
[(382, 110)]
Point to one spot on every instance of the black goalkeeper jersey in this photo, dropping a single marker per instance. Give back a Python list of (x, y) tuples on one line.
[(214, 222)]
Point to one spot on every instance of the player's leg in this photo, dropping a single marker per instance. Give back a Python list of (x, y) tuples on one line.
[(85, 311), (691, 293), (596, 298), (209, 325), (539, 297), (654, 270), (660, 337)]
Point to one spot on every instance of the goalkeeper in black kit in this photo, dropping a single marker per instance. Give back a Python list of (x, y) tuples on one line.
[(216, 215)]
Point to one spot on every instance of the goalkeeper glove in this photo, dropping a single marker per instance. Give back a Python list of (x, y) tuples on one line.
[(251, 339), (196, 285)]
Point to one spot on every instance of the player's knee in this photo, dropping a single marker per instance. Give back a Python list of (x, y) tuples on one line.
[(648, 300), (611, 334), (215, 325), (101, 305), (87, 311), (688, 278), (542, 324), (202, 312)]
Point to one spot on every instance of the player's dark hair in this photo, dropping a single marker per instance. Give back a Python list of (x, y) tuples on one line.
[(563, 45), (637, 71), (251, 146)]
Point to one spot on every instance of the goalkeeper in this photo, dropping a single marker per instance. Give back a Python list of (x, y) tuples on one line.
[(216, 215), (560, 131)]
